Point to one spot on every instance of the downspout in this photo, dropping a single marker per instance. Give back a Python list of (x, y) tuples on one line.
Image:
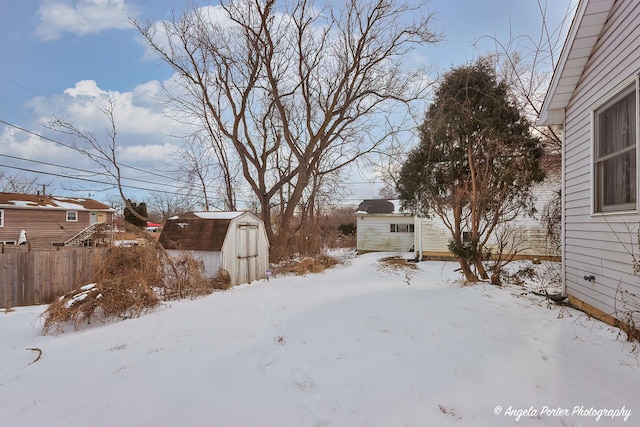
[(417, 238), (563, 189)]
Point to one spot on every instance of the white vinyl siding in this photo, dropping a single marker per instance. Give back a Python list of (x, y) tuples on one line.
[(531, 232), (599, 244), (374, 233)]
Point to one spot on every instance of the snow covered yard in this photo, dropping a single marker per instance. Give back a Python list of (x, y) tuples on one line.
[(353, 346)]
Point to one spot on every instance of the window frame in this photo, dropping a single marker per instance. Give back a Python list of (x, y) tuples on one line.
[(72, 220), (1, 218), (597, 184), (395, 228)]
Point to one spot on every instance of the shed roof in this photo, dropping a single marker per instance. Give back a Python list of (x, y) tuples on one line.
[(197, 231), (36, 201)]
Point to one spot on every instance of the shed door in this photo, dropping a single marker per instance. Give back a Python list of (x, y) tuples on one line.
[(247, 244)]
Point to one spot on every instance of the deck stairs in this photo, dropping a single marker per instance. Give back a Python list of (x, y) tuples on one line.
[(83, 236)]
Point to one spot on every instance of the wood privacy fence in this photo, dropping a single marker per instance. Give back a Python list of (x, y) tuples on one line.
[(39, 276)]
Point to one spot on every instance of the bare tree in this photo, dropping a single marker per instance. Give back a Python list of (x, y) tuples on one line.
[(204, 170), (101, 151), (165, 205), (526, 64), (15, 183), (295, 91), (510, 241)]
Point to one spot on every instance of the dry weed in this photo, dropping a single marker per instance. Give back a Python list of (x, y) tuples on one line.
[(307, 265), (185, 278), (223, 280), (124, 288), (397, 263)]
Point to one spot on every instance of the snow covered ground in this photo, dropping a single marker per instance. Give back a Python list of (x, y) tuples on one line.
[(353, 346)]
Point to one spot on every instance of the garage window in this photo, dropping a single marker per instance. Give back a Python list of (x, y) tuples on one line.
[(402, 228), (615, 127)]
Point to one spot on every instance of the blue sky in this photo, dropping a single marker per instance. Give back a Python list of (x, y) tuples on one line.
[(57, 55)]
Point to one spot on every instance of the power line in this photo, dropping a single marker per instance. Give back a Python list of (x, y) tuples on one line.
[(21, 86), (106, 175), (46, 138), (85, 179), (90, 172)]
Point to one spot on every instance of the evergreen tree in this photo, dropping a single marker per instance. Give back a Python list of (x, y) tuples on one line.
[(131, 218), (475, 164)]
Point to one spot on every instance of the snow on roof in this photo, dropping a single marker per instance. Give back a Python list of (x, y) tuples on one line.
[(218, 215), (30, 201)]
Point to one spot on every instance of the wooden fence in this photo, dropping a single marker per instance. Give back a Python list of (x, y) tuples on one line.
[(39, 276)]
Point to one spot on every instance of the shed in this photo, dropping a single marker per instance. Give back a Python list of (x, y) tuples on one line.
[(234, 241)]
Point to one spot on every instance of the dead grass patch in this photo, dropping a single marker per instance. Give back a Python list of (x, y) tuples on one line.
[(397, 263), (307, 265)]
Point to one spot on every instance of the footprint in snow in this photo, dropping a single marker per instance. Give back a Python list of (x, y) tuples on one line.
[(377, 324), (266, 360), (309, 419), (302, 381)]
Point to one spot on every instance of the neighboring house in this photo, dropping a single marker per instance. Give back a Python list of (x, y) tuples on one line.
[(46, 221), (234, 241), (594, 96), (383, 226)]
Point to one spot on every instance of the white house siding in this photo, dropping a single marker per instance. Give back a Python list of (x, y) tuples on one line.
[(435, 238), (532, 241), (373, 233), (599, 245)]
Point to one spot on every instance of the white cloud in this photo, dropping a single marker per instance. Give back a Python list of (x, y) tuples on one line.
[(150, 153), (136, 112), (81, 17), (143, 133), (30, 146)]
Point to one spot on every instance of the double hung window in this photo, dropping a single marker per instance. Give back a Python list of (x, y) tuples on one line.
[(615, 136)]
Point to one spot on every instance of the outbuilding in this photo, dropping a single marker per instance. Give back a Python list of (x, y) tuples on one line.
[(234, 241)]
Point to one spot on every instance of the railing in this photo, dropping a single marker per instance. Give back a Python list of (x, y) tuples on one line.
[(83, 235)]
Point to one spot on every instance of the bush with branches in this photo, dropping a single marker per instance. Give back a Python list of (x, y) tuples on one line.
[(130, 281)]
